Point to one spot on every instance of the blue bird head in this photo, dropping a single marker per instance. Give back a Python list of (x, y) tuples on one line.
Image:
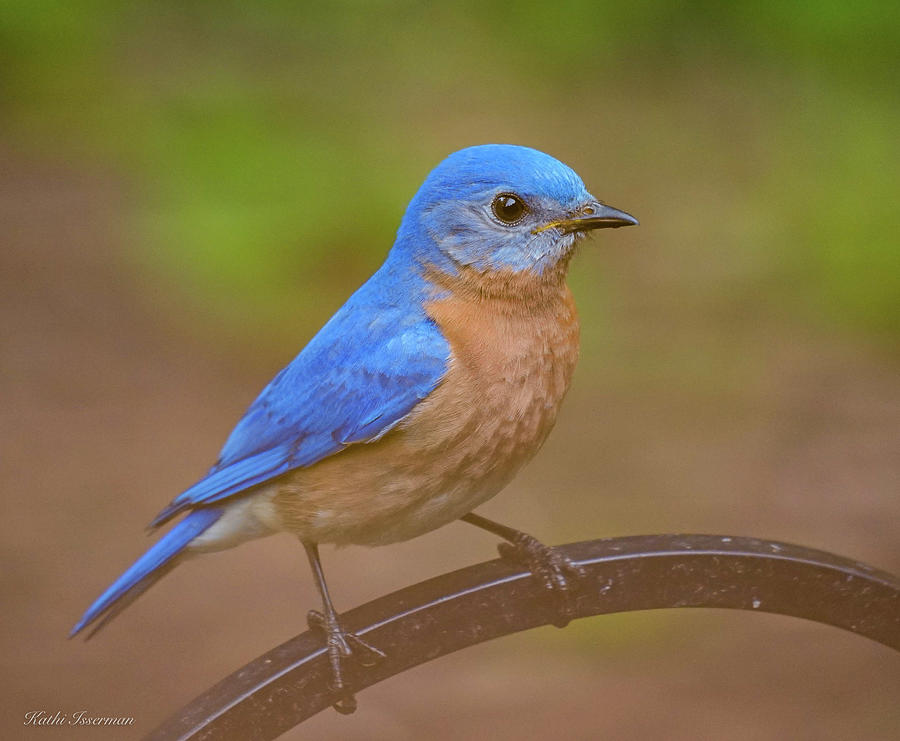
[(502, 207)]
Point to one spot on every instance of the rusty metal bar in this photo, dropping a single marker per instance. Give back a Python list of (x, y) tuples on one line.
[(288, 684)]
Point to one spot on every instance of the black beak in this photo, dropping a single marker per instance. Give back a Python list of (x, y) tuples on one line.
[(594, 215)]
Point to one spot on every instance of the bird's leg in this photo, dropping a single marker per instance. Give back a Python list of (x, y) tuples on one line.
[(558, 574), (341, 644)]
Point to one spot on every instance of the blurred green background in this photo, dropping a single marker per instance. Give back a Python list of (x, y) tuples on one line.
[(274, 146), (189, 190)]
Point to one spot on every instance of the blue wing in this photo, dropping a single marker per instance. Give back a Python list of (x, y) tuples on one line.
[(361, 374)]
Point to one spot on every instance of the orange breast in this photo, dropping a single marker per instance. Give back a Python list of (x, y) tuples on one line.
[(514, 345)]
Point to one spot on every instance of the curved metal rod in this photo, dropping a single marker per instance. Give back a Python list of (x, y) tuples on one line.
[(288, 684)]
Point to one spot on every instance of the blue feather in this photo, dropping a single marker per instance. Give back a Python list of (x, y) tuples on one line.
[(144, 572), (364, 371)]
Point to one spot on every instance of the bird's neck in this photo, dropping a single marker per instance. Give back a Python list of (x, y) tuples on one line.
[(506, 290)]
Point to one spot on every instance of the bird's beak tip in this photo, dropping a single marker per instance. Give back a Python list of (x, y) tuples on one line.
[(603, 216)]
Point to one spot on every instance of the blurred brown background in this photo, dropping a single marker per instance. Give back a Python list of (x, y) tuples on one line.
[(188, 191)]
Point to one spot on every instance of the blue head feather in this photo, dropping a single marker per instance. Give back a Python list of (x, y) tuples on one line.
[(450, 223)]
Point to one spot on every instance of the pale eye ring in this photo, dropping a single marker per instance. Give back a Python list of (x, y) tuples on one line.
[(508, 208)]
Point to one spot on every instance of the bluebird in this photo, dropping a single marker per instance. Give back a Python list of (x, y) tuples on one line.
[(418, 400)]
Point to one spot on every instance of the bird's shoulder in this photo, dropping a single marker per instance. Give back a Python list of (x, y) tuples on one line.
[(365, 366), (362, 373)]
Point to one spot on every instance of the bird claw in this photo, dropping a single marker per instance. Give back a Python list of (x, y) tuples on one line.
[(559, 575), (342, 644)]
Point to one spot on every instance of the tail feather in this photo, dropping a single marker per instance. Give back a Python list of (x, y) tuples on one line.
[(162, 557)]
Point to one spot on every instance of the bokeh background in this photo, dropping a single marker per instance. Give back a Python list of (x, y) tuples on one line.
[(187, 192)]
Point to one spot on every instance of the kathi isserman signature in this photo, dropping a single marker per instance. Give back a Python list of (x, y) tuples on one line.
[(78, 718)]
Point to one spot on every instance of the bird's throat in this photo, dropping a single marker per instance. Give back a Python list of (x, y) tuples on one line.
[(514, 291)]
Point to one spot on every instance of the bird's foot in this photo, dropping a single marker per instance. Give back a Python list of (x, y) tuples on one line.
[(341, 645), (559, 575)]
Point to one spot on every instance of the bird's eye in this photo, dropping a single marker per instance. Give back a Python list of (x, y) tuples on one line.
[(509, 208)]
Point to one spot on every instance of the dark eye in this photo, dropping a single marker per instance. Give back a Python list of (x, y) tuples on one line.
[(509, 208)]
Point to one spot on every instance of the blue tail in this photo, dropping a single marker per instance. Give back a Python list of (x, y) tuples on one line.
[(147, 570)]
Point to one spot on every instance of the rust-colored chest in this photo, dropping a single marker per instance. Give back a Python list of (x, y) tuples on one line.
[(512, 360), (514, 346), (513, 352)]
